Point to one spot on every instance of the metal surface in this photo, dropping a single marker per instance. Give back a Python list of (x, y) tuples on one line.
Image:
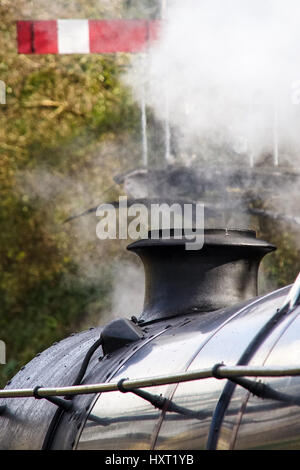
[(25, 422), (252, 423), (255, 343), (221, 274), (205, 340), (185, 344), (118, 333), (70, 425)]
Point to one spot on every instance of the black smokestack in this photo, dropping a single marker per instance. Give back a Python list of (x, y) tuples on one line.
[(221, 274)]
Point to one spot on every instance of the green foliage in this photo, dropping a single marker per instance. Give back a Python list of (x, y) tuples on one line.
[(63, 133), (282, 267), (48, 312)]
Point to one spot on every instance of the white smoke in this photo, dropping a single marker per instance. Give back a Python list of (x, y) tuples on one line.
[(226, 71), (128, 291)]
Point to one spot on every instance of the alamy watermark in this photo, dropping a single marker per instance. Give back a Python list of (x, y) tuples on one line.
[(2, 352), (2, 92), (135, 221)]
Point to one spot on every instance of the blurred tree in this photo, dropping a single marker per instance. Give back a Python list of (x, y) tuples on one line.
[(67, 127)]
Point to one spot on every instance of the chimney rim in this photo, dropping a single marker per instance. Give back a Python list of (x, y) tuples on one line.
[(212, 237)]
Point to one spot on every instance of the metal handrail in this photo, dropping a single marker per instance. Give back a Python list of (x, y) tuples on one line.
[(223, 372)]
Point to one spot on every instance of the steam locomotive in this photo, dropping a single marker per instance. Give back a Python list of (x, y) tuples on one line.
[(201, 309)]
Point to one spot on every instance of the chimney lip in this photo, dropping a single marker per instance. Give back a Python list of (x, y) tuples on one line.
[(212, 237)]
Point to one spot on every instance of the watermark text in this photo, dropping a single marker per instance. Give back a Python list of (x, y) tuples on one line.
[(136, 221)]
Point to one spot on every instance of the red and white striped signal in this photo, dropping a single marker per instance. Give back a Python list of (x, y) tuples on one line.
[(85, 36)]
